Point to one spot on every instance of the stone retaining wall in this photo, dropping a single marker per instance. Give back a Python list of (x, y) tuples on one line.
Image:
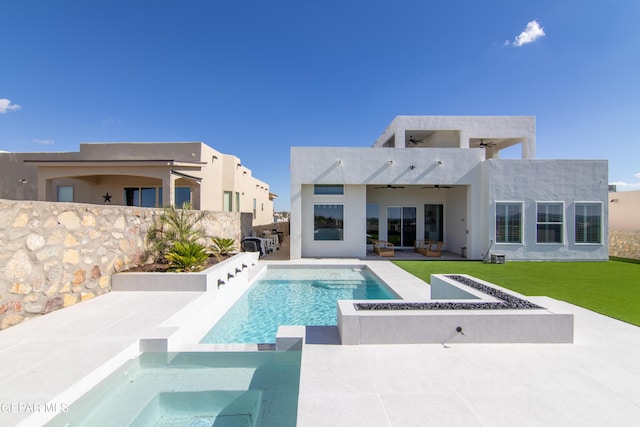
[(624, 243), (53, 255)]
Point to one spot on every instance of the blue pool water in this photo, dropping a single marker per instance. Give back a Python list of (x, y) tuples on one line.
[(294, 296), (193, 389)]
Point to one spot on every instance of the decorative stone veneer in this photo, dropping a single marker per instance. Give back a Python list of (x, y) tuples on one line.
[(54, 255), (624, 243)]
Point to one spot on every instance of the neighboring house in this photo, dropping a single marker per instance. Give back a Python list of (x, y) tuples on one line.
[(138, 174), (624, 210), (441, 178), (624, 223)]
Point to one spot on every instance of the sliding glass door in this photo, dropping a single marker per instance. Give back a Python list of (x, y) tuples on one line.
[(401, 225), (433, 222)]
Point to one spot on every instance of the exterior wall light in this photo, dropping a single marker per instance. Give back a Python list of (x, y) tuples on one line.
[(390, 162), (338, 162), (412, 167), (439, 162)]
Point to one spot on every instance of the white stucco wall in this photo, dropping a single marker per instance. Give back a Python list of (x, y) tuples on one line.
[(476, 186), (353, 243), (519, 127), (366, 169), (532, 181)]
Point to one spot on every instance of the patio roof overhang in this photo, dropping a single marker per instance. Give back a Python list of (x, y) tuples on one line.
[(106, 163)]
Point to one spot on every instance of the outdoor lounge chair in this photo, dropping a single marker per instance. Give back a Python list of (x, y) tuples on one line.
[(431, 248), (419, 245), (383, 248)]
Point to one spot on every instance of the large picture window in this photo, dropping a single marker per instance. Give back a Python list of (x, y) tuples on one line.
[(588, 223), (508, 222), (182, 196), (328, 222), (549, 222), (146, 197)]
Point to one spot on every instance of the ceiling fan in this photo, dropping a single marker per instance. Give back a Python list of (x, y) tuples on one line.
[(390, 187), (486, 144), (415, 141), (438, 187)]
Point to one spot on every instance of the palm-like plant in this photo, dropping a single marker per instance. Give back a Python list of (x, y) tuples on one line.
[(187, 256), (174, 226), (222, 246)]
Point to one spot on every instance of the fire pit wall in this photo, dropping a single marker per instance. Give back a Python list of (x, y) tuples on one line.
[(462, 309)]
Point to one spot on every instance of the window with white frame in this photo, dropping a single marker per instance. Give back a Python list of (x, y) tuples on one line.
[(549, 222), (328, 222), (227, 203), (508, 222), (588, 222)]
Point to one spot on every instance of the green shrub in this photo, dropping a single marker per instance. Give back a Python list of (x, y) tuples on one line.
[(171, 227), (187, 256), (222, 246)]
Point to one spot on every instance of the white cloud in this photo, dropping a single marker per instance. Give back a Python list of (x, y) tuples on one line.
[(532, 33), (110, 122), (44, 141), (637, 175), (6, 106)]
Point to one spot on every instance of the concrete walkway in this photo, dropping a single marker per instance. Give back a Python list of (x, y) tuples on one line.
[(593, 382)]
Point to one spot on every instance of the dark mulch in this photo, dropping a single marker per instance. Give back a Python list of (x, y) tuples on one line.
[(158, 267)]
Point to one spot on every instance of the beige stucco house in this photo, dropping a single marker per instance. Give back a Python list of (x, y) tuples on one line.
[(138, 174)]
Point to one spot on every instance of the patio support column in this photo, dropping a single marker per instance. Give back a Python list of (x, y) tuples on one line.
[(45, 189), (295, 222), (400, 138), (168, 188), (529, 148), (195, 192)]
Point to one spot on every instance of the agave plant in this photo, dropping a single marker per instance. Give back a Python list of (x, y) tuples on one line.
[(187, 256)]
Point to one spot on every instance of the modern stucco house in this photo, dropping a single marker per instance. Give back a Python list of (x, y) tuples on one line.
[(442, 178), (138, 174)]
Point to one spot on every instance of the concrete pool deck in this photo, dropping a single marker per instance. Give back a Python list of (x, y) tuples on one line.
[(593, 381)]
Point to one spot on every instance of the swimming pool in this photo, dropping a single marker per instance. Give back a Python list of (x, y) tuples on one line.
[(194, 389), (294, 296)]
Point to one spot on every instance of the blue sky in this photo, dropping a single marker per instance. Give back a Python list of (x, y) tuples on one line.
[(254, 78)]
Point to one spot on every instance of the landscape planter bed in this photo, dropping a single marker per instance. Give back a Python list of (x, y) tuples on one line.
[(220, 274)]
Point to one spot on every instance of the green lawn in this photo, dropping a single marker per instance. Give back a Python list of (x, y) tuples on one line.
[(611, 288)]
